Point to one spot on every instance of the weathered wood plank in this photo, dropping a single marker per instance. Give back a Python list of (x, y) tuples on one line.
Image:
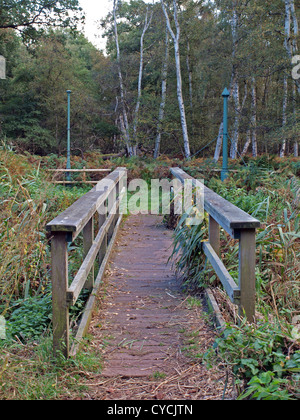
[(229, 284), (88, 312), (214, 235), (78, 170), (77, 216), (74, 290), (230, 217), (247, 260), (60, 310), (88, 239), (81, 277)]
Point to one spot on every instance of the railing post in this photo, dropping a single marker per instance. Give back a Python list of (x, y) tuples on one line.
[(103, 248), (60, 309), (214, 235), (88, 239), (247, 262)]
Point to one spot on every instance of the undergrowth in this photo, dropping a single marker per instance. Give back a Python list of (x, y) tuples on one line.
[(265, 357)]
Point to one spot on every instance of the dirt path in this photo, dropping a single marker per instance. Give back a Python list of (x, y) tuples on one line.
[(151, 335)]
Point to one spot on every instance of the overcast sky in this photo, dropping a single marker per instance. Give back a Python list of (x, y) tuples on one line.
[(96, 10)]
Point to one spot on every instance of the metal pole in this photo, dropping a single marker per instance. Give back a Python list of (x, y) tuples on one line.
[(225, 173), (68, 176)]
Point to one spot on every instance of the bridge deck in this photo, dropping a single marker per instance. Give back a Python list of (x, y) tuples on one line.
[(146, 327)]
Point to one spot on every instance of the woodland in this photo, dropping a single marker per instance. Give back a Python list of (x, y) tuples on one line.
[(152, 100), (157, 88)]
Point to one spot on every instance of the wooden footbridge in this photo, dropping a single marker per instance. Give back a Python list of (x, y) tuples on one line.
[(146, 311)]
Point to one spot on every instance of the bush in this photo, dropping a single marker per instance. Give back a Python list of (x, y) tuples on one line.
[(31, 318)]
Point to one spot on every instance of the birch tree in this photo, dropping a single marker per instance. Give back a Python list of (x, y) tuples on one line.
[(163, 96), (235, 89), (124, 119), (295, 51), (288, 47), (138, 102), (176, 37)]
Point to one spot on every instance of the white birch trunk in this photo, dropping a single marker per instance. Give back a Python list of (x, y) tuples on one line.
[(219, 144), (248, 141), (254, 117), (138, 103), (176, 38), (235, 137), (284, 114), (295, 51), (188, 66), (163, 96), (288, 47), (236, 93), (125, 127)]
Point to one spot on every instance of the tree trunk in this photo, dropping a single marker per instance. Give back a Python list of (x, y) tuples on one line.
[(288, 47), (138, 103), (248, 141), (236, 92), (125, 125), (236, 133), (284, 115), (163, 96), (295, 51), (219, 144), (176, 38), (190, 73), (253, 117)]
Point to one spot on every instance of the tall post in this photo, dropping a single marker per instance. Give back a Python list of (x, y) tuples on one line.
[(247, 273), (60, 309), (224, 173), (68, 177)]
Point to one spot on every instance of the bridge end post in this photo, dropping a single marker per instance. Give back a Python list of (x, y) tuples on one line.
[(60, 309), (247, 263)]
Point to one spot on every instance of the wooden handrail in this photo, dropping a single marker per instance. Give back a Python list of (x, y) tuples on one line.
[(83, 171), (76, 216), (239, 225), (64, 229)]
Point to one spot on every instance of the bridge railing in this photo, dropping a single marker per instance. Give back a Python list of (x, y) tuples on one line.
[(239, 225), (102, 201)]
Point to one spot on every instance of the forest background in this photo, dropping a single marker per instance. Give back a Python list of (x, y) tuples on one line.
[(126, 98)]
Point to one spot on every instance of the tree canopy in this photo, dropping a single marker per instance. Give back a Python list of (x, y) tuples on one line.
[(131, 95)]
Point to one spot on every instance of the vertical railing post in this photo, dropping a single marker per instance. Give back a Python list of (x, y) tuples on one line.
[(60, 309), (103, 248), (214, 235), (247, 262), (88, 239)]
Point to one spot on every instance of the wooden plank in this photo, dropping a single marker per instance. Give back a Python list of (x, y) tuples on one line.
[(77, 216), (214, 235), (60, 310), (88, 239), (74, 182), (230, 217), (80, 278), (247, 260), (88, 312), (78, 170), (103, 247), (214, 308), (229, 284)]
